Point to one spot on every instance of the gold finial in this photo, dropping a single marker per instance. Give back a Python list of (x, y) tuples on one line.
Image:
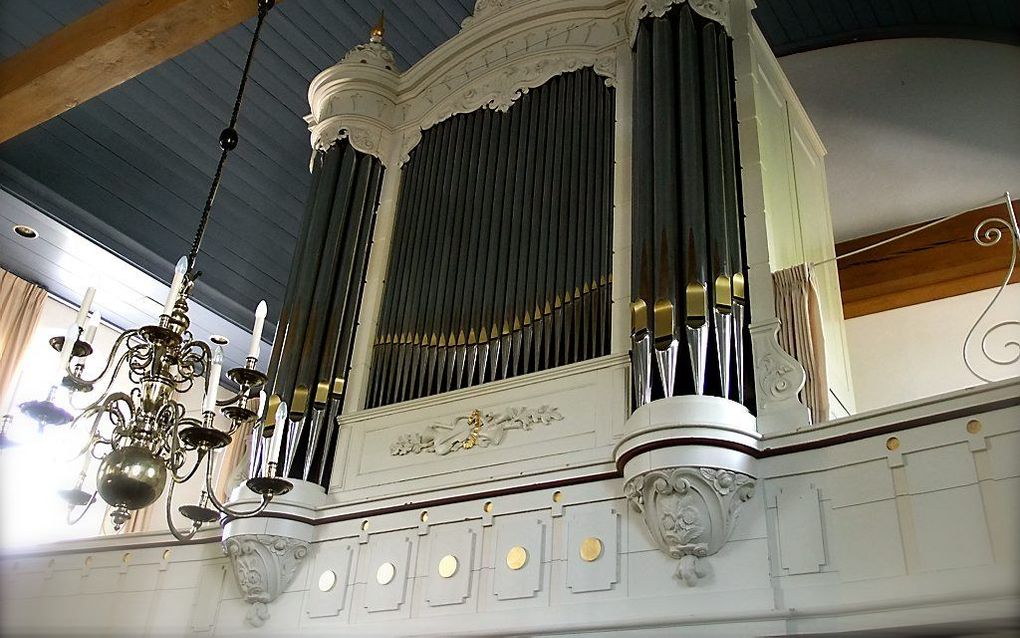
[(376, 34)]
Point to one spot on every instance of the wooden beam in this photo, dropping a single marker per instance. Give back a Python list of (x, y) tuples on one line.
[(939, 262), (101, 50)]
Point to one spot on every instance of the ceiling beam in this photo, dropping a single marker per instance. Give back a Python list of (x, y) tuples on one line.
[(104, 48), (939, 262)]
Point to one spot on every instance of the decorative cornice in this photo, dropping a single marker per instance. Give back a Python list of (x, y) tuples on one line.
[(500, 55), (264, 565), (482, 429), (715, 10), (487, 8), (502, 85), (689, 511)]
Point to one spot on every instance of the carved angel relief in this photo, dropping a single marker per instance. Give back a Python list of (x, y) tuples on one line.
[(482, 429)]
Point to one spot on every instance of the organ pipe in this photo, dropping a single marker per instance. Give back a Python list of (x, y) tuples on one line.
[(502, 247)]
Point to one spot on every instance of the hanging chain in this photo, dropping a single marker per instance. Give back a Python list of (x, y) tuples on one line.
[(228, 136)]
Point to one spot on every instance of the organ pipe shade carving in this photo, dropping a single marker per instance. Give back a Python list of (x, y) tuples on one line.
[(501, 257), (315, 338), (688, 273)]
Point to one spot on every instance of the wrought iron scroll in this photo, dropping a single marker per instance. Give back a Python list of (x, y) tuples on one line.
[(988, 233)]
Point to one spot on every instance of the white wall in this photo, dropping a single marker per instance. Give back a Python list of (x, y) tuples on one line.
[(32, 472), (917, 351), (915, 128)]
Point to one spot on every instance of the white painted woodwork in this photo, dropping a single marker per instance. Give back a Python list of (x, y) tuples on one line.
[(923, 534)]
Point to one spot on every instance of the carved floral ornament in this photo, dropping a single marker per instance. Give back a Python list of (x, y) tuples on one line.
[(716, 10), (482, 429), (264, 565), (689, 511)]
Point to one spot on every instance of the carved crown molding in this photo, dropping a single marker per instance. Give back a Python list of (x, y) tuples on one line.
[(715, 10), (482, 429), (264, 565), (499, 86), (689, 511), (503, 54)]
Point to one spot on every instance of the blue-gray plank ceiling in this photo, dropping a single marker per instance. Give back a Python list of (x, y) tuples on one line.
[(131, 167)]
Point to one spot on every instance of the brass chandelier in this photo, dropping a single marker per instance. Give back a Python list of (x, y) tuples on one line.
[(141, 436)]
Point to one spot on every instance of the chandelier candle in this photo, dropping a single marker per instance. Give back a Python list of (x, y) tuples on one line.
[(214, 381), (92, 327), (86, 305), (175, 285), (256, 332)]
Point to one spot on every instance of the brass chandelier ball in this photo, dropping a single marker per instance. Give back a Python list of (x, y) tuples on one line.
[(131, 477)]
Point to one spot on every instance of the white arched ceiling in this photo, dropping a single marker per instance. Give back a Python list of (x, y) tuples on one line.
[(915, 128)]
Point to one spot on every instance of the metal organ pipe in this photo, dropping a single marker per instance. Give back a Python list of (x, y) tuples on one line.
[(312, 349), (688, 268), (502, 261)]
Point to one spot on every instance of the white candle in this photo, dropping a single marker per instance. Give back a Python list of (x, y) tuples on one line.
[(256, 332), (93, 325), (279, 430), (86, 305), (214, 380), (68, 347), (261, 405), (175, 285)]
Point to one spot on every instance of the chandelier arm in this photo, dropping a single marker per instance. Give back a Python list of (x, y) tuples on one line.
[(170, 519), (84, 511), (92, 440), (109, 361), (184, 479), (264, 8), (266, 498)]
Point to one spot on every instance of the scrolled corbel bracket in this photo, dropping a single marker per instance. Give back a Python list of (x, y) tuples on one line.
[(689, 511), (267, 552), (637, 10), (264, 564), (688, 465), (778, 379)]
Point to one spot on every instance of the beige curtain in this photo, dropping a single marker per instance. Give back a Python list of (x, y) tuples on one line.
[(801, 333), (21, 305)]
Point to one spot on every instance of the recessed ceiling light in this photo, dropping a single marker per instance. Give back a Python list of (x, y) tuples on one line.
[(26, 231), (219, 340)]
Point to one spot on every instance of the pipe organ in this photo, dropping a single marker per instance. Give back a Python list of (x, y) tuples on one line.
[(514, 170), (513, 427), (503, 229), (687, 274), (312, 351)]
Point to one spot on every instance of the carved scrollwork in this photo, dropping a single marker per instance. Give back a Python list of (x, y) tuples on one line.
[(485, 8), (499, 88), (363, 136), (715, 10), (482, 429), (264, 566), (689, 511), (778, 378)]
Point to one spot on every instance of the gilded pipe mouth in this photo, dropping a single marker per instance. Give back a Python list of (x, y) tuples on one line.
[(723, 293), (639, 318), (663, 323), (697, 305)]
